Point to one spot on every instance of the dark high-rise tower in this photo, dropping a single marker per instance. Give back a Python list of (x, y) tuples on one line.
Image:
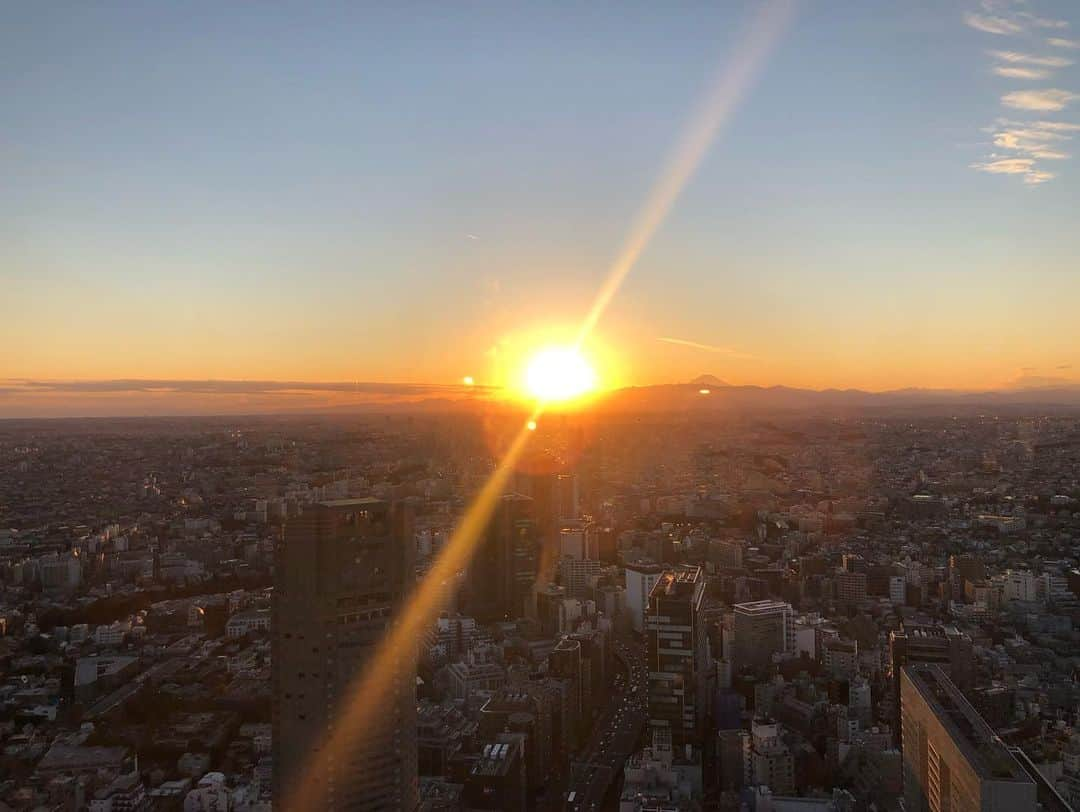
[(677, 655), (503, 570), (342, 575)]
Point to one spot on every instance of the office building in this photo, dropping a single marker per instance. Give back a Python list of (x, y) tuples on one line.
[(942, 645), (851, 587), (769, 761), (576, 576), (516, 711), (567, 497), (504, 567), (840, 657), (897, 590), (727, 553), (568, 664), (343, 572), (677, 656), (498, 779), (762, 629), (549, 608), (640, 579), (953, 761)]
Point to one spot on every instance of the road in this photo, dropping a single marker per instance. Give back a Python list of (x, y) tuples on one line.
[(125, 692), (615, 735)]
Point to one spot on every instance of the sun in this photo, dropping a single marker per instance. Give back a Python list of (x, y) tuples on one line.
[(559, 374)]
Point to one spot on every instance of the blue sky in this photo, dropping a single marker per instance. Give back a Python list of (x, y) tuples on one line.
[(385, 191)]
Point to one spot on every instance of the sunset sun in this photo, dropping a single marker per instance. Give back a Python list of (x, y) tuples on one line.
[(558, 374)]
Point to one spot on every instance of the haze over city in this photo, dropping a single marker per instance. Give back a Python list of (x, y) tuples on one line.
[(540, 407), (390, 195)]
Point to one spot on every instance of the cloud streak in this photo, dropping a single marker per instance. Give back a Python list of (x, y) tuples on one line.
[(1022, 73), (697, 345), (990, 24), (1048, 100), (1026, 143), (1015, 166), (1019, 58), (226, 387)]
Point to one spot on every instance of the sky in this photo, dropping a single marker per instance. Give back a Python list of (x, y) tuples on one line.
[(416, 192)]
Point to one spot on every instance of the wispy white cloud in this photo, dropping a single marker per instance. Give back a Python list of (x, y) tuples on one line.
[(1057, 126), (1022, 73), (1000, 17), (1022, 146), (991, 24), (1006, 166), (1030, 142), (1038, 176), (1041, 22), (1047, 100), (1015, 166), (1039, 139), (682, 342), (1018, 58)]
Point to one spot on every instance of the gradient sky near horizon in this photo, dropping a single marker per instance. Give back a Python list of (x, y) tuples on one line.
[(400, 191)]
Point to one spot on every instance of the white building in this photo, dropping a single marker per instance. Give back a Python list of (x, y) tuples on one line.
[(897, 590), (769, 761), (247, 621), (211, 795), (113, 634), (1021, 585), (640, 579)]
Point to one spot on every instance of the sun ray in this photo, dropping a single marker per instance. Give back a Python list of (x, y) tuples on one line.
[(367, 693)]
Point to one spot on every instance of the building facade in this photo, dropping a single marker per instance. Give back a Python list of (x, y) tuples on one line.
[(953, 761), (677, 655), (762, 629), (342, 574)]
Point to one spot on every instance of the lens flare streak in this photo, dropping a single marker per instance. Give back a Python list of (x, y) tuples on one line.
[(728, 88), (374, 683)]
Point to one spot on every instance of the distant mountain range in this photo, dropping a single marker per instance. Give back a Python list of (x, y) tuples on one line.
[(705, 394), (722, 396), (708, 380)]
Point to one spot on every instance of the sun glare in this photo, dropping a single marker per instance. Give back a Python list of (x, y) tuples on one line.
[(558, 374)]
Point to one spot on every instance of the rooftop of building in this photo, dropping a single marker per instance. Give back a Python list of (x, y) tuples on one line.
[(644, 567), (495, 759), (756, 607), (926, 632), (359, 502), (988, 755), (678, 583)]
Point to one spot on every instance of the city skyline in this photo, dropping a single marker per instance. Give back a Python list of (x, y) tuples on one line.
[(278, 201), (452, 407)]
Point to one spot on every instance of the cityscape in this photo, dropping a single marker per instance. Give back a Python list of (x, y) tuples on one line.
[(540, 407), (682, 612)]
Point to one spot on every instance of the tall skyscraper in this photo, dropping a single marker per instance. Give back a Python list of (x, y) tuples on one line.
[(504, 569), (567, 501), (565, 662), (342, 574), (953, 761), (762, 629), (677, 658)]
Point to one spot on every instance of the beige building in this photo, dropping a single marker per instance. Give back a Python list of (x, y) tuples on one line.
[(953, 761)]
